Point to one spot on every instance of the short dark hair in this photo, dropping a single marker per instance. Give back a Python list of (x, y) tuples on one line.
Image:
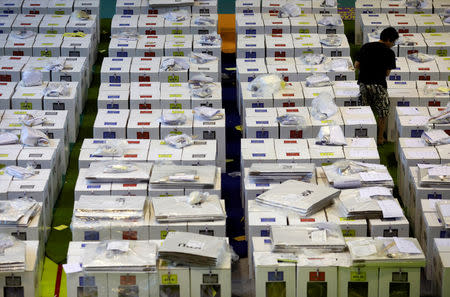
[(389, 34)]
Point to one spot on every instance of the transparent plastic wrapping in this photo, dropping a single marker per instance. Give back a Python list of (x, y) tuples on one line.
[(203, 91), (31, 78), (119, 171), (170, 118), (383, 250), (328, 3), (179, 141), (80, 15), (33, 137), (435, 137), (323, 106), (331, 40), (183, 176), (202, 58), (376, 34), (434, 175), (127, 35), (318, 80), (292, 120), (336, 65), (441, 118), (318, 258), (416, 3), (193, 249), (289, 10), (56, 65), (421, 57), (115, 148), (204, 21), (208, 113), (23, 34), (179, 209), (56, 89), (8, 138), (18, 212), (174, 64), (124, 256), (430, 89), (282, 172), (12, 254), (200, 80), (323, 236), (300, 197), (31, 120), (313, 59), (177, 15), (331, 135), (20, 172), (334, 20), (266, 84), (346, 174), (210, 40)]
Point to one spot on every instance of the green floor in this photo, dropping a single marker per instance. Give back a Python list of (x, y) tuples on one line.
[(56, 248)]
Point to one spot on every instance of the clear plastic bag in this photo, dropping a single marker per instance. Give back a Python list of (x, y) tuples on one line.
[(330, 20), (31, 120), (56, 64), (292, 120), (119, 167), (202, 92), (204, 21), (8, 138), (19, 172), (210, 39), (313, 59), (420, 57), (323, 107), (328, 3), (179, 141), (416, 3), (208, 113), (31, 78), (25, 34), (200, 80), (173, 119), (318, 80), (177, 16), (127, 36), (174, 64), (331, 40), (338, 65), (32, 137), (56, 89), (266, 84), (113, 149), (331, 135), (81, 15), (289, 10), (201, 58), (435, 137)]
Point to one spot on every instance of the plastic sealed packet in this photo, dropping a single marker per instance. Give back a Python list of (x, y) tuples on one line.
[(208, 113), (292, 120), (114, 149), (421, 57), (416, 3), (179, 141), (266, 84), (289, 10), (81, 15), (313, 59), (328, 3), (323, 106), (170, 118), (330, 20), (338, 65), (174, 64), (57, 89), (19, 172), (119, 167), (202, 58), (204, 20), (331, 135), (331, 40), (318, 80), (31, 78), (8, 138), (24, 34), (56, 64), (33, 137), (177, 16), (127, 36), (31, 120)]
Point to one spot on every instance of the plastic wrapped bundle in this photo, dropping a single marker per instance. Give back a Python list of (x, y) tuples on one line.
[(318, 80), (32, 137), (441, 118), (330, 20), (323, 107), (179, 141), (266, 84), (289, 10), (7, 138), (435, 137), (331, 135), (420, 57), (434, 175), (313, 59), (174, 64), (281, 172), (331, 40), (170, 118), (208, 113)]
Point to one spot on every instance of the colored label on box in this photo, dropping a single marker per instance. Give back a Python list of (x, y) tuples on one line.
[(358, 277)]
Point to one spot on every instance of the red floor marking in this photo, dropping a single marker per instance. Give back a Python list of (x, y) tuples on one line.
[(58, 281)]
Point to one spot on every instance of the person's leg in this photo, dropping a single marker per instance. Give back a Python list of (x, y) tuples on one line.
[(381, 110), (381, 128)]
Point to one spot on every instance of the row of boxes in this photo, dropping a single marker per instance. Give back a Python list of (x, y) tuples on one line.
[(253, 24), (274, 6), (404, 23), (164, 45), (147, 229), (132, 7), (85, 186), (335, 68), (441, 267), (427, 43), (183, 280), (298, 277), (146, 124), (60, 7), (392, 7), (155, 95), (126, 70), (290, 45), (357, 121), (302, 151), (158, 25)]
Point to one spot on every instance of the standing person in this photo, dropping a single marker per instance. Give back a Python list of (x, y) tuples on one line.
[(375, 61)]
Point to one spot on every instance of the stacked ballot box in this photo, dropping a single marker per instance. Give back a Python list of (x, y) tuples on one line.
[(203, 7), (270, 23), (57, 7), (406, 95), (164, 281), (273, 7), (288, 45), (146, 124), (155, 95), (156, 24), (441, 266), (355, 121), (147, 69)]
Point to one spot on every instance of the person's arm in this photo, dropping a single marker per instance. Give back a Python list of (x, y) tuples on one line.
[(388, 72), (391, 63), (357, 65)]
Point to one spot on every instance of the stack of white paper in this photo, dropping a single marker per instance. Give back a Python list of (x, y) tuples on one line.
[(193, 249), (443, 210), (119, 171), (123, 256), (178, 176), (281, 172), (18, 212), (300, 197), (434, 175), (12, 254), (324, 236), (178, 209)]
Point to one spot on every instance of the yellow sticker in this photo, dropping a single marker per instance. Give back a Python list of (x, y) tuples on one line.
[(238, 127), (164, 233), (358, 277), (165, 156), (174, 85), (48, 43), (175, 95), (307, 44), (326, 154), (230, 69), (4, 155), (169, 279), (20, 112), (26, 105), (315, 94), (175, 132), (60, 227), (15, 125), (28, 94), (326, 121), (348, 233), (346, 220), (240, 238), (229, 160), (177, 111)]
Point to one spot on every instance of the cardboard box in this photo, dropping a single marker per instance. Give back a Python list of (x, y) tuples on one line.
[(150, 46), (354, 279), (279, 45), (257, 150), (177, 27), (428, 95), (248, 6), (321, 29), (210, 69), (111, 123), (304, 24), (145, 69), (305, 43), (60, 7), (11, 6), (428, 23), (432, 228), (399, 97), (346, 93), (113, 100), (204, 28), (116, 70), (175, 96), (254, 100), (144, 124), (19, 47), (336, 119), (248, 69), (444, 68), (292, 132), (261, 128), (27, 22), (90, 26), (312, 92), (127, 7), (250, 46), (290, 96), (89, 6), (423, 71), (201, 152), (322, 155), (212, 278), (275, 25), (373, 22), (122, 48), (122, 23), (145, 95), (364, 7), (173, 76), (178, 129), (359, 121), (249, 24), (35, 7)]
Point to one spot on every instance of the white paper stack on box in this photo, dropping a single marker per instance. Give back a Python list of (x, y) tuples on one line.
[(441, 265), (304, 24), (349, 227), (150, 46)]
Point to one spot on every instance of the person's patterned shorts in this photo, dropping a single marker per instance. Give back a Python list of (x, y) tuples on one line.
[(377, 97)]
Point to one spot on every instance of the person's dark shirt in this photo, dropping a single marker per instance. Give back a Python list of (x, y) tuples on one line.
[(375, 58)]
